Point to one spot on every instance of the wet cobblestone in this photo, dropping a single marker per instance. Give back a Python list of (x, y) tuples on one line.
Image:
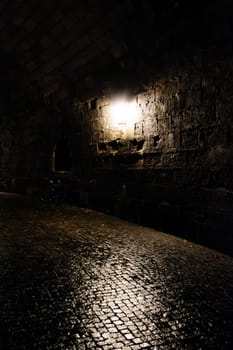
[(75, 279)]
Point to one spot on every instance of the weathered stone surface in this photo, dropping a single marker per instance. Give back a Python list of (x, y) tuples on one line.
[(77, 279), (188, 134), (61, 67)]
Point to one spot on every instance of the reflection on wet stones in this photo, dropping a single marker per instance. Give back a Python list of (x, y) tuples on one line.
[(74, 279)]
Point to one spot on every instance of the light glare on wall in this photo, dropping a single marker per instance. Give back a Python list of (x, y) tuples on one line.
[(123, 115)]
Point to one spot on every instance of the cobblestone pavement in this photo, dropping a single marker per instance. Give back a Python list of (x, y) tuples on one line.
[(74, 279)]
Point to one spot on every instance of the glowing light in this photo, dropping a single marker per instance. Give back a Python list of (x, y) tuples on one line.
[(123, 115)]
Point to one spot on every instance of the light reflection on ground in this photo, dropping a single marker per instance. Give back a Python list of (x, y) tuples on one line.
[(74, 279)]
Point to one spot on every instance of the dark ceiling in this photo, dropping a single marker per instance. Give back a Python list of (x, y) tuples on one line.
[(79, 41)]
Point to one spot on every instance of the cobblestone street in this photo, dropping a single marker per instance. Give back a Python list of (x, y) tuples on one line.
[(74, 279)]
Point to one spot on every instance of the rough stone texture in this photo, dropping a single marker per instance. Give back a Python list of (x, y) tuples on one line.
[(175, 167), (61, 63), (183, 121), (77, 279)]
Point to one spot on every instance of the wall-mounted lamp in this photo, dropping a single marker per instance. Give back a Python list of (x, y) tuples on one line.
[(123, 115)]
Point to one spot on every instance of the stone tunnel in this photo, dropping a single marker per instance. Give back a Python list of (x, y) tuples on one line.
[(116, 175)]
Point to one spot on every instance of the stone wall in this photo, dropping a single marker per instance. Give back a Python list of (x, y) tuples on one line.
[(171, 167), (182, 122), (31, 125), (168, 166)]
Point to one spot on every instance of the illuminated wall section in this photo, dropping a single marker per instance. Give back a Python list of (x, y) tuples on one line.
[(163, 157), (138, 124), (179, 122)]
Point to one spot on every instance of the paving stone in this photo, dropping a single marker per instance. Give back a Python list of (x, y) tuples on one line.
[(71, 278)]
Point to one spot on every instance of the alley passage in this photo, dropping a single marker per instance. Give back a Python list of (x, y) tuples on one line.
[(74, 279)]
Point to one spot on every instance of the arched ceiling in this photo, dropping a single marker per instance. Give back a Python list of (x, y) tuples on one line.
[(70, 40), (53, 39)]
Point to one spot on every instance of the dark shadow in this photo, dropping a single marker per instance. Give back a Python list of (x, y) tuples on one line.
[(62, 156)]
